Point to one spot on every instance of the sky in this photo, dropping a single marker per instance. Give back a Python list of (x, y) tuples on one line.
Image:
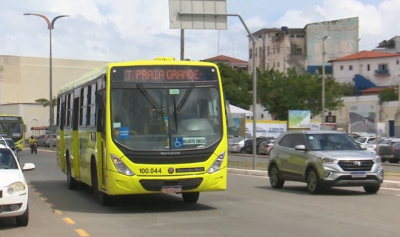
[(123, 30)]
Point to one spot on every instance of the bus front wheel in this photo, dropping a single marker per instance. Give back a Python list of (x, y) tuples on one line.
[(190, 197), (104, 199)]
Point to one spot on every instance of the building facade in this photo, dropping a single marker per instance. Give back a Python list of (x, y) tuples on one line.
[(368, 69), (26, 79), (389, 46), (302, 48), (235, 63)]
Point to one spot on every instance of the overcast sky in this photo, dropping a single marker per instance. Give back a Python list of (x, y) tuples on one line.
[(115, 30)]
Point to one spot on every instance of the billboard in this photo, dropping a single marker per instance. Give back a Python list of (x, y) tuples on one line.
[(362, 118), (267, 128), (299, 119)]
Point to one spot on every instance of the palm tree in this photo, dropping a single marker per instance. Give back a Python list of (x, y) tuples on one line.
[(46, 102)]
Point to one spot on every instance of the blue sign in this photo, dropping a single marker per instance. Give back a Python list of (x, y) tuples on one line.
[(178, 142), (123, 133)]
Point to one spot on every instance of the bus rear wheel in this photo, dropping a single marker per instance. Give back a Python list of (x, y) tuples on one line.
[(191, 197)]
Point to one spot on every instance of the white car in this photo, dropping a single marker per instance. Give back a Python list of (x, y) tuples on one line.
[(13, 187)]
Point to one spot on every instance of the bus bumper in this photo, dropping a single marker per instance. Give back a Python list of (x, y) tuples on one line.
[(119, 184)]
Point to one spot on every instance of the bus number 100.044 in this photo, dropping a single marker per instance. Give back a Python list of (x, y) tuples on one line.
[(149, 171)]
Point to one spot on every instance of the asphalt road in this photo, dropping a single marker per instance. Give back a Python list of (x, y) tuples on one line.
[(265, 159), (249, 207)]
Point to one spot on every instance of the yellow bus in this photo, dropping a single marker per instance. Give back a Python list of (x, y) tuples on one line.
[(146, 126), (12, 126)]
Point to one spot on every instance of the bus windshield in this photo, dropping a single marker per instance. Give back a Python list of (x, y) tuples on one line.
[(166, 118), (12, 129)]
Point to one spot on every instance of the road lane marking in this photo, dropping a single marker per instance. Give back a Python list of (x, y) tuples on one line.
[(44, 198), (69, 221), (58, 212), (82, 232), (51, 205), (39, 194), (247, 175)]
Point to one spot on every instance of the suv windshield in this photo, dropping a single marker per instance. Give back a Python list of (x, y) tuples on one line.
[(167, 118), (7, 160), (320, 142)]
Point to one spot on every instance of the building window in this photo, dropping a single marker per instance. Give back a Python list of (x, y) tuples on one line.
[(350, 67), (260, 52), (250, 53), (397, 62), (299, 36), (269, 35), (291, 36), (277, 64), (273, 65), (273, 50), (255, 52), (298, 51), (260, 36), (267, 50), (278, 49), (262, 116), (368, 67), (267, 65), (341, 67)]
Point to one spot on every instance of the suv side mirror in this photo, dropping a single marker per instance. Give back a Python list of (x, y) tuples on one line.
[(300, 148)]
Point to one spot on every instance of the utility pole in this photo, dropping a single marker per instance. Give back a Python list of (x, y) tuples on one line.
[(182, 44), (323, 82)]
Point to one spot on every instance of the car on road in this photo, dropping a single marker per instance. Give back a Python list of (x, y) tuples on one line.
[(10, 143), (387, 150), (235, 144), (44, 140), (13, 187), (265, 147), (323, 159)]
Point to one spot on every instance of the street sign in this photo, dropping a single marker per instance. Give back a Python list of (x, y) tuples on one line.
[(198, 21)]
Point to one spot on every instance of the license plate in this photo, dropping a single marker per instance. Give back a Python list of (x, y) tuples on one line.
[(358, 175), (172, 189)]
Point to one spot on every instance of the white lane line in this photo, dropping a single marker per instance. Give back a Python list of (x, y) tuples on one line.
[(256, 176)]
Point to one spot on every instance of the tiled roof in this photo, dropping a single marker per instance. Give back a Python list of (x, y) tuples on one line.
[(225, 59), (365, 55), (269, 30), (378, 89)]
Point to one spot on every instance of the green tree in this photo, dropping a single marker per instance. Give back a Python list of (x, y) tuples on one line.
[(46, 102), (387, 95), (347, 89), (235, 86), (280, 92)]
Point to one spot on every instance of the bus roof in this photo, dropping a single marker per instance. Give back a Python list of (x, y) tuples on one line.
[(95, 73), (8, 115)]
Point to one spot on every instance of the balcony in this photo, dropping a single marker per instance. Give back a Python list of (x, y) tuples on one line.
[(382, 72)]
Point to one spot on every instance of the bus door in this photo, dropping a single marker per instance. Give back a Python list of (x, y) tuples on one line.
[(100, 132), (75, 133)]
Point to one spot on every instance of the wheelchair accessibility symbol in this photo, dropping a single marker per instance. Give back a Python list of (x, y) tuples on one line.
[(178, 142)]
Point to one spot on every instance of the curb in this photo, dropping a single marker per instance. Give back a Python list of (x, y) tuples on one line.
[(259, 173)]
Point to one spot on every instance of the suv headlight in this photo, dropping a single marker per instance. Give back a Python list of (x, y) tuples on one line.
[(327, 160), (120, 166), (217, 163), (15, 187)]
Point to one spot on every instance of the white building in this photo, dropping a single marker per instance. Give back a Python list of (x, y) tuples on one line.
[(379, 68)]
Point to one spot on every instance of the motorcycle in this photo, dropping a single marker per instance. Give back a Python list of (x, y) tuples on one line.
[(34, 148)]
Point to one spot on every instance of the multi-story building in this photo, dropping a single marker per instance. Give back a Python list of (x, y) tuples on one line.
[(301, 48), (368, 69), (389, 46)]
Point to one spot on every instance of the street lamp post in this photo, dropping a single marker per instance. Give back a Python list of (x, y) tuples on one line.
[(50, 26), (323, 81)]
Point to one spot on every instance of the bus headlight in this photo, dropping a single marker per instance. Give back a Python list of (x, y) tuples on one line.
[(120, 166), (217, 163)]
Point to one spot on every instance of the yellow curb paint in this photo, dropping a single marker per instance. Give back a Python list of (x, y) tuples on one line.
[(82, 232), (69, 221), (58, 212)]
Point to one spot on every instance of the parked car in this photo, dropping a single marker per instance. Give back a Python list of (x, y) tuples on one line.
[(13, 187), (265, 147), (44, 140), (386, 150), (248, 144), (323, 159), (235, 144)]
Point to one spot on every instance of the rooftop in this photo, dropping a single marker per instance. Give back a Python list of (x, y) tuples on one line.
[(223, 58), (366, 55)]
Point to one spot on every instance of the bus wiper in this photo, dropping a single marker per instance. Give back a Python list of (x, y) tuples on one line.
[(175, 116), (177, 110), (149, 99)]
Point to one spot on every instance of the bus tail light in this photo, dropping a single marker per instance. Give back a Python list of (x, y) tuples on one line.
[(120, 166), (217, 163)]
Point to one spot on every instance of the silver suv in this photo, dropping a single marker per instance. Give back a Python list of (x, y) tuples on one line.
[(323, 159)]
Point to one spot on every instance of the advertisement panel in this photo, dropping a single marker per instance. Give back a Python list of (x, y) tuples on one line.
[(362, 118), (299, 119), (267, 128)]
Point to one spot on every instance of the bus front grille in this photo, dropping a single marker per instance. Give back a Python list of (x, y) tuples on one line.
[(157, 184)]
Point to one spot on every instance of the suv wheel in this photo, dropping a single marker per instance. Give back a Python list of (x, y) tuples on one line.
[(372, 189), (313, 183), (274, 179)]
